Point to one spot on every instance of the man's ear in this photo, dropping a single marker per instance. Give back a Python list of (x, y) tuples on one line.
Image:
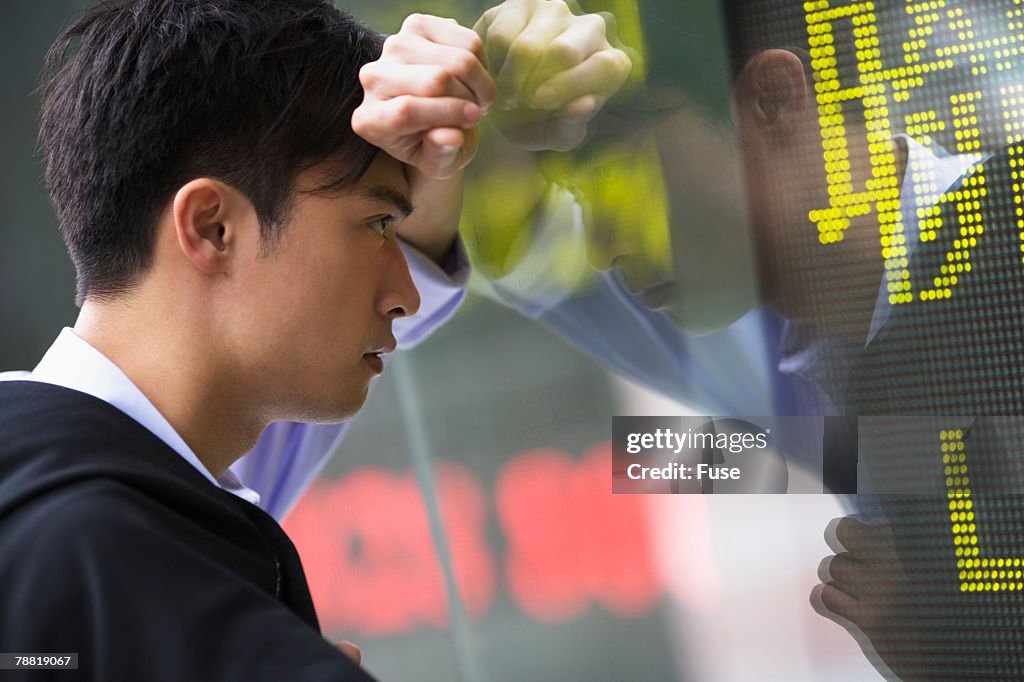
[(772, 90), (207, 216)]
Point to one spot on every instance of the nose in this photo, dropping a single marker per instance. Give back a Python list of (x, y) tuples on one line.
[(607, 247), (398, 296), (641, 251)]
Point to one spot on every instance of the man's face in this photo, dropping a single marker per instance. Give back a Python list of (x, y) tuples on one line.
[(314, 310), (734, 211), (673, 224)]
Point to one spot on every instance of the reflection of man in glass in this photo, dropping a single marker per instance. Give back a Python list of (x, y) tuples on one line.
[(884, 203), (836, 273), (882, 160), (872, 231)]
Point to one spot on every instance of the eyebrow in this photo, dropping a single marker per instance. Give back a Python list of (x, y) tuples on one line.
[(388, 195)]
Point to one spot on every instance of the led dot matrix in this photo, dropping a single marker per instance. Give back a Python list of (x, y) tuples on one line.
[(938, 36), (976, 573)]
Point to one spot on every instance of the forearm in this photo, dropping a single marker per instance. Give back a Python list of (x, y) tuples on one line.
[(434, 223), (505, 196)]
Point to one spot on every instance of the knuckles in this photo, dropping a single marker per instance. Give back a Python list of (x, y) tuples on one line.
[(566, 51), (361, 122), (526, 46), (615, 62), (394, 45), (462, 64), (370, 75), (439, 81), (593, 22), (401, 111), (416, 23), (558, 9)]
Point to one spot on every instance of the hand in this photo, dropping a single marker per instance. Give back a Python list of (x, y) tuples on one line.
[(425, 95), (554, 70), (865, 588)]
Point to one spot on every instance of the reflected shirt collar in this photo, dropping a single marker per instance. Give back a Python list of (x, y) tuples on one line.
[(826, 360), (929, 174), (72, 363)]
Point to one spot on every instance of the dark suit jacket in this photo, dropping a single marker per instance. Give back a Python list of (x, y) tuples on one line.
[(960, 357), (115, 548)]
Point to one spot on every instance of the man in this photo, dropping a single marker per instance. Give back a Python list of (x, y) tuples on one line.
[(238, 263), (520, 37)]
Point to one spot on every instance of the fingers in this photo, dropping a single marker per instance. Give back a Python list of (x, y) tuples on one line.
[(499, 27), (568, 129), (351, 650), (839, 568), (446, 151), (428, 88), (421, 80), (445, 32), (529, 43), (387, 121), (832, 603), (865, 580), (526, 50), (445, 64), (847, 534), (601, 75), (582, 38), (554, 70)]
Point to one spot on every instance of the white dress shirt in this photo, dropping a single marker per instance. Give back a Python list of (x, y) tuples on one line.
[(72, 363)]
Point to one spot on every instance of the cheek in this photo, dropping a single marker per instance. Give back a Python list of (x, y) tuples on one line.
[(333, 308), (274, 313)]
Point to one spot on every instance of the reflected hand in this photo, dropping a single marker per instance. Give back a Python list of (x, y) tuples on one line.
[(865, 588), (425, 95), (554, 70)]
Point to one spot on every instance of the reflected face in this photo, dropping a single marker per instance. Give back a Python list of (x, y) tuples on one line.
[(314, 310), (683, 244)]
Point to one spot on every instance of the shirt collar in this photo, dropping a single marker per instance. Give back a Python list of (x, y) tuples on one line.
[(808, 352), (72, 363)]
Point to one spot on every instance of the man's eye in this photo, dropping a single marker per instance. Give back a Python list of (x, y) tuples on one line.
[(383, 226)]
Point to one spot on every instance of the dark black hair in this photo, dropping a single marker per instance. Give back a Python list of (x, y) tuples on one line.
[(141, 96)]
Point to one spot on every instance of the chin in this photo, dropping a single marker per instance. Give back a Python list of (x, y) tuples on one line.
[(334, 408), (705, 315)]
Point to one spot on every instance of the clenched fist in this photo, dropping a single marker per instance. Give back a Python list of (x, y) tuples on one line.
[(554, 70), (425, 95)]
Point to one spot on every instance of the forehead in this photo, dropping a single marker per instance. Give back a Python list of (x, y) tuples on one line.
[(385, 176), (388, 172)]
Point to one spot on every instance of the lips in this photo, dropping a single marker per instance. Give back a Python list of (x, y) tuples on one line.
[(375, 362), (374, 358)]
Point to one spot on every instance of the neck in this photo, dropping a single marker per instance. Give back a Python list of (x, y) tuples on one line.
[(173, 362)]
